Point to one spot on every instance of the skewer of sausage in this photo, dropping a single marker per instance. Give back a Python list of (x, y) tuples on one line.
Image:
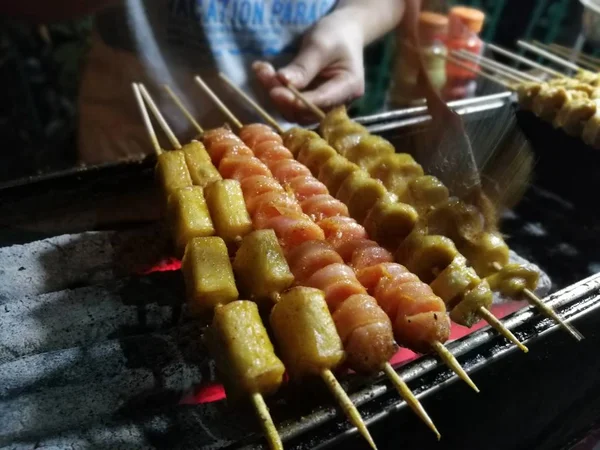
[(387, 222), (310, 344), (351, 323), (401, 313), (493, 265)]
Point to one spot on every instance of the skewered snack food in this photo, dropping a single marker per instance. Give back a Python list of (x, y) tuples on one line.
[(341, 231), (188, 216), (201, 169), (243, 352), (295, 231), (306, 334), (172, 173), (261, 268), (208, 274), (227, 208), (433, 255)]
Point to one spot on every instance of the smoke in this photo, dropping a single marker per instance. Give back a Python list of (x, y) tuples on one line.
[(157, 69)]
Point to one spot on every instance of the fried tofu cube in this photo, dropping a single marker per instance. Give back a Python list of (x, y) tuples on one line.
[(228, 210), (189, 216), (172, 172), (208, 274), (198, 161), (261, 268), (305, 332), (243, 352)]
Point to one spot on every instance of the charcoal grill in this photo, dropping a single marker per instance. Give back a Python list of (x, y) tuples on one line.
[(95, 351)]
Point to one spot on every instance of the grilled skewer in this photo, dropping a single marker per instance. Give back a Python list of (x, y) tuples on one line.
[(397, 381), (494, 266), (263, 371), (263, 274), (289, 170), (387, 218)]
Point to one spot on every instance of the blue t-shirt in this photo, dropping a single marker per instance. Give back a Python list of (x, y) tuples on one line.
[(178, 38)]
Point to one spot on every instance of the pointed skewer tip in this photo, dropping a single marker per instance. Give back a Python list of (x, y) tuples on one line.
[(347, 406), (495, 323), (453, 363), (410, 398), (267, 422)]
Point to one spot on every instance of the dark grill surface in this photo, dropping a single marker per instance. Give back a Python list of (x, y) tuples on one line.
[(96, 350)]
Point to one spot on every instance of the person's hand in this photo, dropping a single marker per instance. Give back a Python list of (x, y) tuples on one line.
[(328, 69)]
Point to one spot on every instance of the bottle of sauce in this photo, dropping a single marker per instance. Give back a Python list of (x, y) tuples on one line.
[(433, 29), (464, 27)]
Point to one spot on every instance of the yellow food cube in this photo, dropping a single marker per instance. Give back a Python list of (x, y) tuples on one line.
[(198, 161), (305, 333), (189, 216), (243, 352), (208, 274), (261, 268), (466, 312), (315, 154), (228, 210), (335, 171), (388, 223), (172, 172)]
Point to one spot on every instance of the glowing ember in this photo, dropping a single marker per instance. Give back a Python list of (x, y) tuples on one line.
[(205, 393), (165, 265)]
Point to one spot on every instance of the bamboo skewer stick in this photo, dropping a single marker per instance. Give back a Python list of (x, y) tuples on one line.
[(499, 67), (466, 56), (266, 421), (332, 383), (590, 58), (159, 117), (261, 408), (146, 119), (271, 120), (218, 102), (347, 406), (539, 303), (484, 313), (479, 72), (188, 115), (567, 54), (442, 351), (524, 60), (396, 380), (541, 52)]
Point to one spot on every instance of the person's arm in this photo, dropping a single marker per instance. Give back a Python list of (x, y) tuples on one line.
[(45, 11), (330, 61)]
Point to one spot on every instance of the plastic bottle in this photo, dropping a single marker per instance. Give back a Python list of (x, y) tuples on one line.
[(464, 27), (433, 30)]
